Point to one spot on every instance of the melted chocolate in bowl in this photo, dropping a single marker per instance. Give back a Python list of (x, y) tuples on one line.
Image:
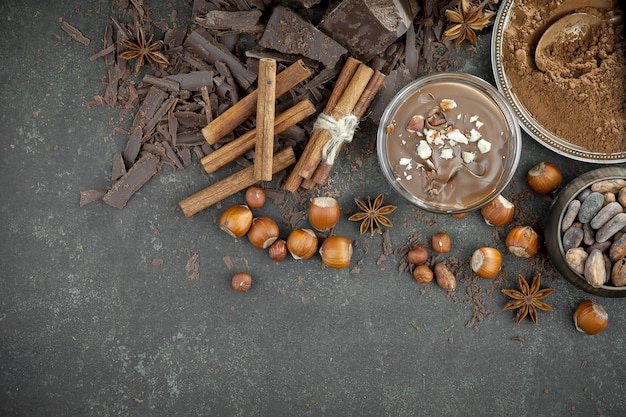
[(455, 164)]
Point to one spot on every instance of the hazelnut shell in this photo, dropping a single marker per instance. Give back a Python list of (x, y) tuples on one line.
[(590, 317), (544, 178), (336, 252), (498, 212), (486, 262), (522, 241)]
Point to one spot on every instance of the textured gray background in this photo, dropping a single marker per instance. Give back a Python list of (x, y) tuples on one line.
[(89, 327)]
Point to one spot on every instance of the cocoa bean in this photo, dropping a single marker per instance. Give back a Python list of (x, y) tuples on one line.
[(601, 246), (617, 250), (614, 225), (570, 214), (618, 273), (621, 197), (576, 258), (572, 238), (445, 279), (609, 198), (608, 265), (582, 196), (590, 207), (595, 270), (605, 214), (589, 235), (608, 186)]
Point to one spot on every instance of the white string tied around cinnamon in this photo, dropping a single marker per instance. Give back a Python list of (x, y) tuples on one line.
[(341, 131)]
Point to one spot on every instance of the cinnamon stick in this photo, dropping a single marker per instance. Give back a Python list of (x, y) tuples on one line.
[(265, 113), (312, 153), (232, 184), (246, 107), (237, 147), (320, 175)]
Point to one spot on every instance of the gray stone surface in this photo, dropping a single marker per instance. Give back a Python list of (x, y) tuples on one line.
[(90, 327)]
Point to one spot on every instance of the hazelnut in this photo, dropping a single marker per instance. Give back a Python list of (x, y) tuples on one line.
[(441, 242), (445, 279), (302, 243), (447, 104), (241, 281), (544, 178), (522, 241), (486, 262), (255, 197), (417, 255), (263, 232), (498, 212), (278, 250), (323, 213), (415, 124), (590, 317), (336, 252), (435, 117), (423, 274), (236, 220)]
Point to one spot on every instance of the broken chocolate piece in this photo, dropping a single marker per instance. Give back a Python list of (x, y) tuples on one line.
[(367, 28), (288, 33), (149, 107), (124, 188), (118, 169), (89, 196), (226, 22), (193, 81)]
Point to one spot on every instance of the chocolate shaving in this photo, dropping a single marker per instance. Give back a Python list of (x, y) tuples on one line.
[(124, 188), (203, 44), (89, 196), (118, 169), (75, 33)]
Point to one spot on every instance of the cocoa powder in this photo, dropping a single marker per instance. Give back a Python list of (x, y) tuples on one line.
[(581, 95)]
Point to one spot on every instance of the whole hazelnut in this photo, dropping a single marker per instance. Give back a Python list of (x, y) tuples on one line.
[(255, 197), (417, 255), (278, 250), (441, 242), (544, 178), (241, 281), (423, 274)]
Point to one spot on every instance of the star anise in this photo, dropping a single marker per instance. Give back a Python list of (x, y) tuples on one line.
[(528, 300), (467, 20), (373, 215), (142, 49)]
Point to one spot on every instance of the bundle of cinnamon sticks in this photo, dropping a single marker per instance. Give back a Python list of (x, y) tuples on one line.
[(354, 91)]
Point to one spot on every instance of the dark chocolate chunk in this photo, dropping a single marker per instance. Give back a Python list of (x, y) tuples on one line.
[(367, 28), (288, 33)]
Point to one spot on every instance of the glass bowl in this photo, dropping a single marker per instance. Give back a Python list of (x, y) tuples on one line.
[(449, 181), (553, 234), (527, 122)]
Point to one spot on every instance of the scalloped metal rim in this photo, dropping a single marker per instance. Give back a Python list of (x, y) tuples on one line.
[(525, 119)]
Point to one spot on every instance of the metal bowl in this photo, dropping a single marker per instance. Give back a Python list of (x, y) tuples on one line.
[(480, 88), (553, 237), (526, 120)]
